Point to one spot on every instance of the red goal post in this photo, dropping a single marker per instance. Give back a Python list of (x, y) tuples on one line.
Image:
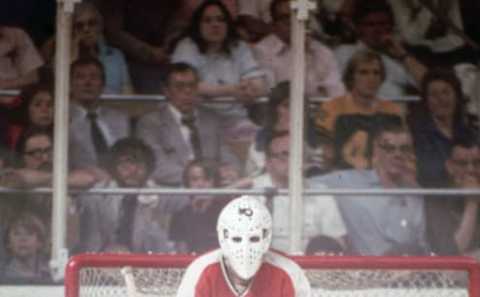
[(92, 275)]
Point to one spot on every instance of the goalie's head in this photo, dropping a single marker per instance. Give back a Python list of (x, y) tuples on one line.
[(244, 232)]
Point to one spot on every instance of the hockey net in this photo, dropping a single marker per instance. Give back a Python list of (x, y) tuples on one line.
[(159, 275)]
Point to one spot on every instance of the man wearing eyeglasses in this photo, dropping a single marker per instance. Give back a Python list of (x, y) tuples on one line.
[(453, 221), (383, 224), (133, 222), (180, 130), (321, 215), (35, 148)]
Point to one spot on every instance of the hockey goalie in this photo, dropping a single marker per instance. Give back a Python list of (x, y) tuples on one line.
[(244, 265)]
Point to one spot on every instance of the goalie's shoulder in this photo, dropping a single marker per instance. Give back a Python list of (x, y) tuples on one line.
[(196, 271), (295, 274), (203, 261)]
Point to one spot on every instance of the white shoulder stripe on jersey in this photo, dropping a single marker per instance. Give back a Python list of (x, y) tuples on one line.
[(194, 272), (294, 271)]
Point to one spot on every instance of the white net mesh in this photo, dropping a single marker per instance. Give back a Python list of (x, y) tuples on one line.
[(99, 282)]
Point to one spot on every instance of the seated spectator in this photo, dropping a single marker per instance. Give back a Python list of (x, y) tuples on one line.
[(139, 223), (189, 7), (439, 122), (428, 28), (352, 118), (327, 22), (227, 174), (34, 168), (469, 76), (93, 128), (193, 228), (375, 26), (332, 22), (34, 149), (19, 60), (35, 110), (20, 63), (186, 11), (274, 54), (180, 130), (383, 225), (26, 240), (320, 213), (227, 70), (452, 222), (142, 29), (254, 15), (320, 157), (88, 41), (277, 120)]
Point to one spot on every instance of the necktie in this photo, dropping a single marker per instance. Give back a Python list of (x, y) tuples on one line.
[(126, 220), (99, 142), (189, 122)]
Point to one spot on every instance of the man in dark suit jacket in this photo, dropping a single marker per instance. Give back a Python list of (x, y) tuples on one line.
[(93, 128), (180, 130)]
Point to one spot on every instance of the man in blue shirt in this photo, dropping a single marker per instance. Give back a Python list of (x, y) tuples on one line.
[(385, 224)]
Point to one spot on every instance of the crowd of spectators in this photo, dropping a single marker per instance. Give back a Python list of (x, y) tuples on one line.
[(215, 62)]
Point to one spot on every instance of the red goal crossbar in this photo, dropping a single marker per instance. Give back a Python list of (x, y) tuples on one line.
[(436, 263)]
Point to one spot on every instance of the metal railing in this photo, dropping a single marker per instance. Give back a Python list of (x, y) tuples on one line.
[(267, 191), (160, 98)]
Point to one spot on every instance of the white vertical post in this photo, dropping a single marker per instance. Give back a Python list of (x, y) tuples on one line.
[(59, 254), (297, 103)]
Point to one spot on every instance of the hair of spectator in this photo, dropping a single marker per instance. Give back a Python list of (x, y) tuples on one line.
[(85, 61), (29, 220), (449, 77), (361, 56), (323, 137), (208, 166), (271, 138), (138, 150), (25, 136), (83, 7), (194, 31), (279, 94), (365, 8), (389, 127), (273, 8), (179, 67), (26, 95)]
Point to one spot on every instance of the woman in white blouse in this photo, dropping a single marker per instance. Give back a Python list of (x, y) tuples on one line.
[(228, 72)]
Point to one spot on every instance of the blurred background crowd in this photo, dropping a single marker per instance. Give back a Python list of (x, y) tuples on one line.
[(392, 101)]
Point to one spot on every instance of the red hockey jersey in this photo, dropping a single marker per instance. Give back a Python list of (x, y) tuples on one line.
[(278, 276)]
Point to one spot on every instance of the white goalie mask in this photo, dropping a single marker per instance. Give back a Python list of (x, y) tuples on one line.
[(244, 230)]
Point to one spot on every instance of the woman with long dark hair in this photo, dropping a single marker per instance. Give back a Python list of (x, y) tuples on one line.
[(227, 69), (35, 110), (440, 123)]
